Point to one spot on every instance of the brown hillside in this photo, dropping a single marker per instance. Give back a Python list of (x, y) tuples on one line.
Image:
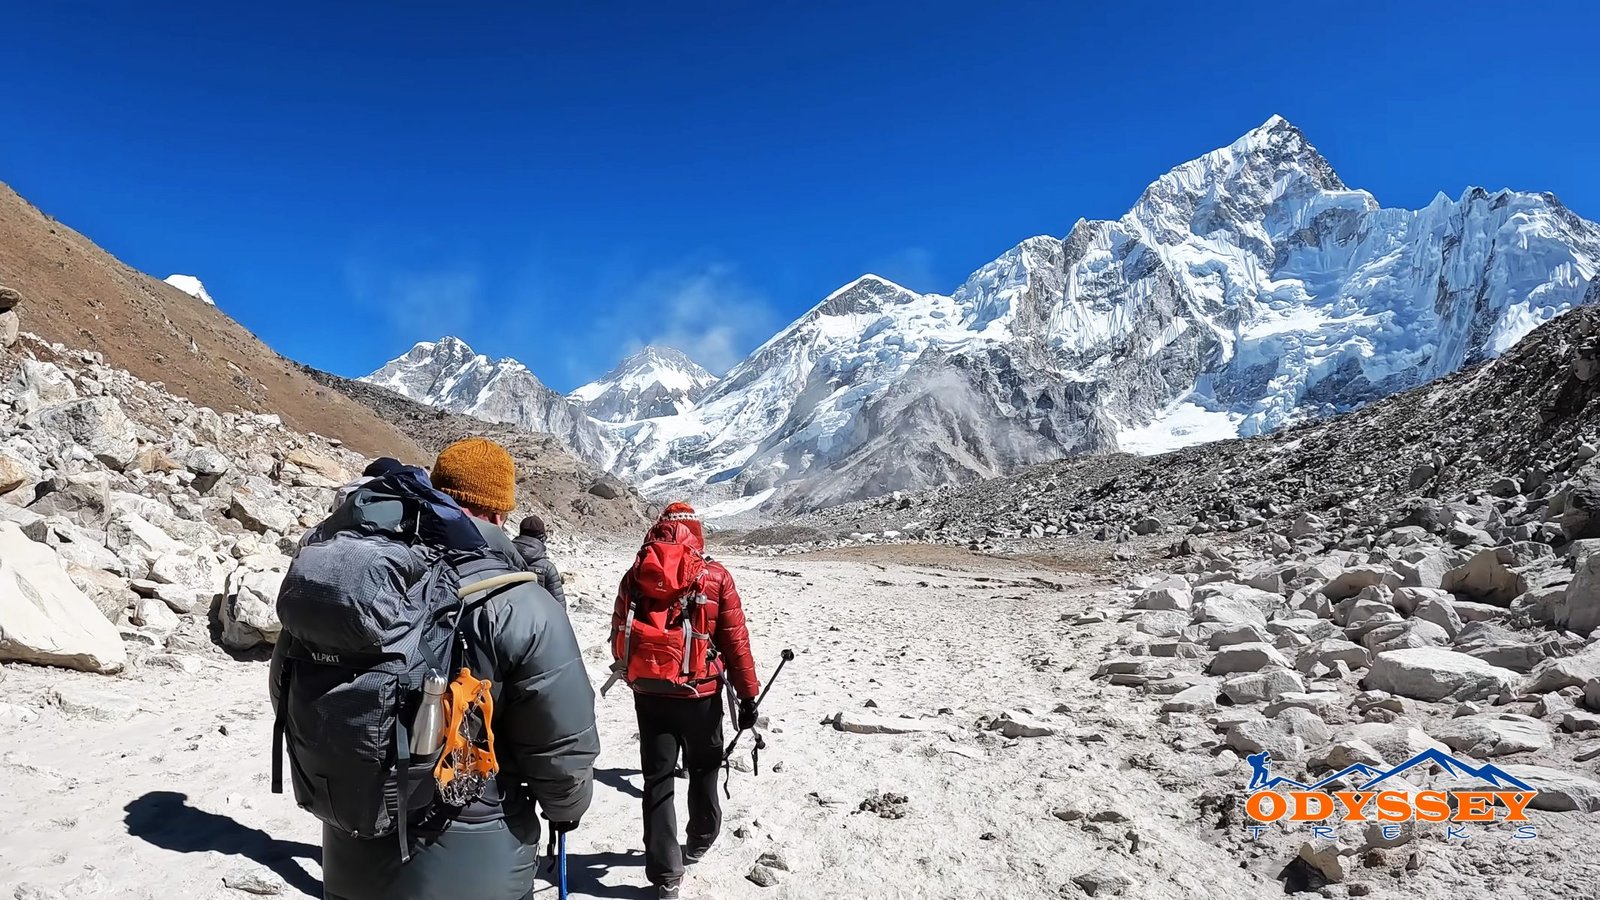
[(81, 296)]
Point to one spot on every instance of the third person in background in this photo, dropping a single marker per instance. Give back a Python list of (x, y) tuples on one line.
[(530, 543), (679, 637)]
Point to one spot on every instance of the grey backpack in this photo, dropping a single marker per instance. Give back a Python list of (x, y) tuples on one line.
[(369, 608)]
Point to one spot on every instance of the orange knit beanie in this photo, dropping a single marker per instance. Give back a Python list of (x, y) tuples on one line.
[(478, 473)]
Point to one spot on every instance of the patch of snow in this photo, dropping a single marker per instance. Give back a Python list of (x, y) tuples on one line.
[(737, 505), (1182, 425), (191, 285)]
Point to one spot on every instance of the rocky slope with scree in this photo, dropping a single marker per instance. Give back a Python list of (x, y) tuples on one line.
[(135, 524)]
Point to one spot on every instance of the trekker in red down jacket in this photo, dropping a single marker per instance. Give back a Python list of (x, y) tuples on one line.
[(678, 636)]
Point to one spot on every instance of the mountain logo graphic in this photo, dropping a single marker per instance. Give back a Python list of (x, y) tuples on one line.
[(1338, 797)]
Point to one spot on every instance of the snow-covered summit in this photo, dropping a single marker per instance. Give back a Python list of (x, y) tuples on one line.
[(450, 375), (1244, 290), (656, 381), (191, 285)]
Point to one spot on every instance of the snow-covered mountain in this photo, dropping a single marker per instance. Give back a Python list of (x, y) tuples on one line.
[(448, 374), (1244, 291), (191, 285), (655, 382)]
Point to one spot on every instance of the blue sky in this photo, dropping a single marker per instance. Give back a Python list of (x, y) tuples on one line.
[(563, 182)]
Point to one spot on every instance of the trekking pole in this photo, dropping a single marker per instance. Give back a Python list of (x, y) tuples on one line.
[(561, 863), (787, 656)]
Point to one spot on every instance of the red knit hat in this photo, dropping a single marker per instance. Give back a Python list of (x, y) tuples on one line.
[(679, 511)]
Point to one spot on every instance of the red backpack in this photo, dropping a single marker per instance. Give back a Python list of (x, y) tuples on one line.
[(663, 642)]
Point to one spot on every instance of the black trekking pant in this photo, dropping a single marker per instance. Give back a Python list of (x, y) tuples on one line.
[(666, 726)]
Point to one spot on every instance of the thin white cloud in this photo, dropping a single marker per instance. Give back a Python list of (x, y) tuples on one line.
[(912, 268), (707, 312), (419, 305)]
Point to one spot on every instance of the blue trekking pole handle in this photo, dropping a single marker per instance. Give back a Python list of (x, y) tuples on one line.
[(561, 863)]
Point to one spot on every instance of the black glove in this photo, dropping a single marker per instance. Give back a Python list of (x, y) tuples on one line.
[(563, 827), (747, 714)]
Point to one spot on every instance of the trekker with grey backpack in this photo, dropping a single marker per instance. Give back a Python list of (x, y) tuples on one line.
[(429, 695)]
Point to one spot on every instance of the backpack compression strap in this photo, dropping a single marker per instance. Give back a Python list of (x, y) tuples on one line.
[(495, 583)]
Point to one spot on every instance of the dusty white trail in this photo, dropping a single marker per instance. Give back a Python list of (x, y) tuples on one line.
[(173, 802)]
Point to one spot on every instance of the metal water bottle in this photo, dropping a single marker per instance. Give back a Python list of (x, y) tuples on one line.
[(427, 732)]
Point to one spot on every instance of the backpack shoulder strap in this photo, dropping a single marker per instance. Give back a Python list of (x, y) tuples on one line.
[(488, 587)]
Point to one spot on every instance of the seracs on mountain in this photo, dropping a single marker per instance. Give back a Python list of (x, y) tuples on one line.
[(656, 381), (1244, 291)]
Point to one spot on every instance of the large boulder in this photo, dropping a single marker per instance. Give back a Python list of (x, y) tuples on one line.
[(1423, 569), (17, 473), (97, 424), (1431, 673), (1401, 635), (205, 461), (1356, 579), (1170, 594), (44, 617), (1559, 790), (85, 499), (1394, 742), (1227, 610), (1268, 685), (1561, 672), (1493, 734), (39, 384), (258, 507), (1247, 657), (1487, 578), (1579, 608), (249, 613), (1580, 512)]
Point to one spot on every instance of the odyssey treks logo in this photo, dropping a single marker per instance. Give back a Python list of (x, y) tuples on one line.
[(1366, 795)]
